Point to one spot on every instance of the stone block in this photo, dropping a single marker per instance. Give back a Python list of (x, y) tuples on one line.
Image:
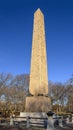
[(37, 104)]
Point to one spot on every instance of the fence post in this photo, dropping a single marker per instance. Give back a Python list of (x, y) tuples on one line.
[(45, 123), (50, 124), (11, 121), (72, 118), (60, 122), (28, 122)]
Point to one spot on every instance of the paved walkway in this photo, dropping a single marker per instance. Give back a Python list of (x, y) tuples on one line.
[(18, 128), (67, 127)]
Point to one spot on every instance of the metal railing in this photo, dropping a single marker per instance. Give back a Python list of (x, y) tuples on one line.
[(29, 121)]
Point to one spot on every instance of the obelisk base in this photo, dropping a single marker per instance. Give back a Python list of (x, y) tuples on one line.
[(38, 104)]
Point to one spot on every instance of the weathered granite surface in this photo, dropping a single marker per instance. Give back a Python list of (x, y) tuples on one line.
[(38, 72), (38, 104)]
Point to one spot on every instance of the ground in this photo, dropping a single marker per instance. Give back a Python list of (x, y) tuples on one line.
[(18, 128), (22, 128)]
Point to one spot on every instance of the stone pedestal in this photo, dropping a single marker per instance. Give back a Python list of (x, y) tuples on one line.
[(37, 104)]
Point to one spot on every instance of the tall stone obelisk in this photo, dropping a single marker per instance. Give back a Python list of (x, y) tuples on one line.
[(38, 86), (38, 72)]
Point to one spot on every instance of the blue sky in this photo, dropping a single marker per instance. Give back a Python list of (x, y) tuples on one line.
[(16, 26)]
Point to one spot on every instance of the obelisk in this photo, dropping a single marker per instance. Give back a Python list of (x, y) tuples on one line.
[(38, 72), (38, 86)]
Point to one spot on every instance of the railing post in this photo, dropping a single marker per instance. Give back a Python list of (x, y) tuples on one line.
[(28, 122), (50, 124), (60, 122), (11, 121), (45, 123), (67, 120), (72, 118)]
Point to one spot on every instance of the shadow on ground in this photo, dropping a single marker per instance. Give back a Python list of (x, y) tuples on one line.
[(17, 128)]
